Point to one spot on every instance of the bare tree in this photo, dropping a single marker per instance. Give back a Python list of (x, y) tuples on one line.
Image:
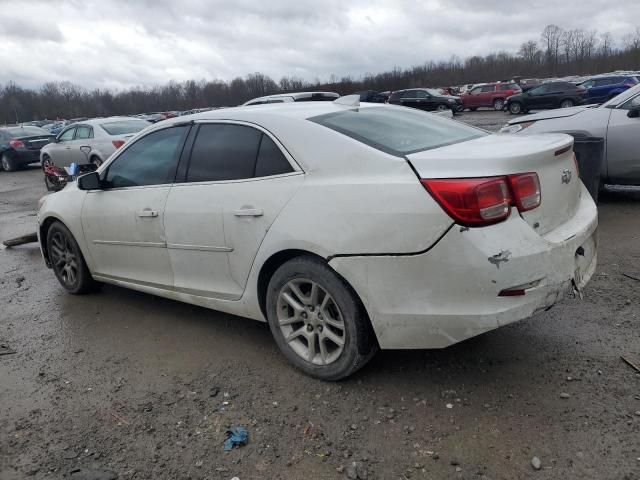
[(552, 40)]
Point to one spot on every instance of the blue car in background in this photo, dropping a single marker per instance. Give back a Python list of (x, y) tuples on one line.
[(603, 89)]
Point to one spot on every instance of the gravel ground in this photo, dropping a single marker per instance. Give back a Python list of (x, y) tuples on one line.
[(123, 383)]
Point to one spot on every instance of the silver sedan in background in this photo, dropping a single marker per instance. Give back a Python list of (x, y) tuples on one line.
[(616, 121), (91, 141)]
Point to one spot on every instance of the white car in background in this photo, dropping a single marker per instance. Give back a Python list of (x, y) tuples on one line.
[(91, 141), (346, 227)]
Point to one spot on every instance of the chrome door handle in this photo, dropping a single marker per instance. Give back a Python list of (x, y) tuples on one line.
[(148, 213), (248, 212)]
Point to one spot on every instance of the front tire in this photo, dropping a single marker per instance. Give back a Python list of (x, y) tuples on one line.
[(67, 261), (317, 320), (8, 164), (515, 108), (442, 107)]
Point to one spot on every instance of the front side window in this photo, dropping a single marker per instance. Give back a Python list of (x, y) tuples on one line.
[(84, 132), (397, 131), (234, 152), (476, 91), (67, 135), (151, 160)]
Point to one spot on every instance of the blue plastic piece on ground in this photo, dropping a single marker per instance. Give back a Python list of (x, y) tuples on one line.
[(236, 436)]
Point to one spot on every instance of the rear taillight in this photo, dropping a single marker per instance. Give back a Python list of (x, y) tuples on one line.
[(472, 201), (484, 201), (16, 143), (118, 143), (581, 89), (525, 188)]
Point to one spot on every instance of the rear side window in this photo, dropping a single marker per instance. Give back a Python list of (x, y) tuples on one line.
[(271, 160), (397, 131), (234, 152), (488, 88)]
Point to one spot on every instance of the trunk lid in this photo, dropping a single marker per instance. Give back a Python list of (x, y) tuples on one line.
[(35, 142), (548, 155)]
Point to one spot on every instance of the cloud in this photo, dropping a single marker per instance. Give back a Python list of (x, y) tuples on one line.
[(123, 43)]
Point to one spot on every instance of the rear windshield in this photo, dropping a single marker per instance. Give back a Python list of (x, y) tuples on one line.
[(123, 127), (25, 131), (398, 131)]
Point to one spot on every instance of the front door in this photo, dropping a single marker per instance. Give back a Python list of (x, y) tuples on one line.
[(235, 184), (60, 151), (123, 222), (623, 145)]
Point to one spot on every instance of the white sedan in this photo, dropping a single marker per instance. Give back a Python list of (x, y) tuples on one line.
[(91, 141), (346, 227)]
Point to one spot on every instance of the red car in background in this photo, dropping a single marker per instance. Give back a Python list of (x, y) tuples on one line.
[(491, 95)]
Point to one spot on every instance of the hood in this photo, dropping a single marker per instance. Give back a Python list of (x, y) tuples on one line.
[(547, 114)]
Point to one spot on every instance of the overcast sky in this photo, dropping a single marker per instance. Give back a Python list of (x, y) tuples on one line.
[(122, 43)]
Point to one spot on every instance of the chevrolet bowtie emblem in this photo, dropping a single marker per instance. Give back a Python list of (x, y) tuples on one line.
[(566, 176)]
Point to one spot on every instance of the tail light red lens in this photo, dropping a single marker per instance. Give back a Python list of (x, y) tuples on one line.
[(16, 143), (472, 201), (118, 143), (526, 190), (484, 201)]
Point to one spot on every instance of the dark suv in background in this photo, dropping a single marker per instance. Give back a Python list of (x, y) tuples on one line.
[(547, 95), (603, 89), (425, 99)]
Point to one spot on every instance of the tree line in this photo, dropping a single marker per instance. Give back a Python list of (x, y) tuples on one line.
[(557, 52)]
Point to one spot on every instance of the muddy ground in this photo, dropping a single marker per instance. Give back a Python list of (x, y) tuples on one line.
[(145, 388)]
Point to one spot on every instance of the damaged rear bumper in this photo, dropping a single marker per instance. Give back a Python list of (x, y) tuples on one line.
[(451, 292)]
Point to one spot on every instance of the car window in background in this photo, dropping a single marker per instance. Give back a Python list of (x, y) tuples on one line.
[(397, 132), (432, 92), (421, 94), (84, 132), (67, 135), (124, 127), (151, 160), (271, 160), (488, 89), (26, 131), (223, 152), (476, 91), (508, 86)]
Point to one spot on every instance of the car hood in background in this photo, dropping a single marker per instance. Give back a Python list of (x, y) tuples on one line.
[(547, 114)]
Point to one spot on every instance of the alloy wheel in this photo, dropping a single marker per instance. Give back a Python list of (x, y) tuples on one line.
[(442, 107), (311, 321), (566, 104), (498, 104), (63, 258), (5, 164)]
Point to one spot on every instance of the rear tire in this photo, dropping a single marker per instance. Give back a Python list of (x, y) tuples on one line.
[(46, 160), (317, 320), (498, 104), (473, 109), (515, 108), (67, 261), (96, 161), (567, 103), (8, 164)]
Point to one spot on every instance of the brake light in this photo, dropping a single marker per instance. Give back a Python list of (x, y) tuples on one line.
[(484, 201), (472, 201), (118, 143), (16, 143), (525, 188), (581, 89)]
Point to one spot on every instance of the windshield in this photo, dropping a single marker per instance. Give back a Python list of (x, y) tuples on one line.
[(123, 127), (398, 131), (26, 131)]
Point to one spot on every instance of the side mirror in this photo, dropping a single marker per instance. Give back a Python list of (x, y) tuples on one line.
[(90, 181), (634, 112)]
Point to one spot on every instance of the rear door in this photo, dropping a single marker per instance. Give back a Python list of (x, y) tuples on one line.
[(123, 223), (235, 183), (623, 145)]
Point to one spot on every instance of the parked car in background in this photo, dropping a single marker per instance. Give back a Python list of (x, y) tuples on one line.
[(275, 213), (491, 95), (294, 97), (102, 136), (20, 146), (617, 121), (602, 89), (371, 96), (547, 95), (425, 99)]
